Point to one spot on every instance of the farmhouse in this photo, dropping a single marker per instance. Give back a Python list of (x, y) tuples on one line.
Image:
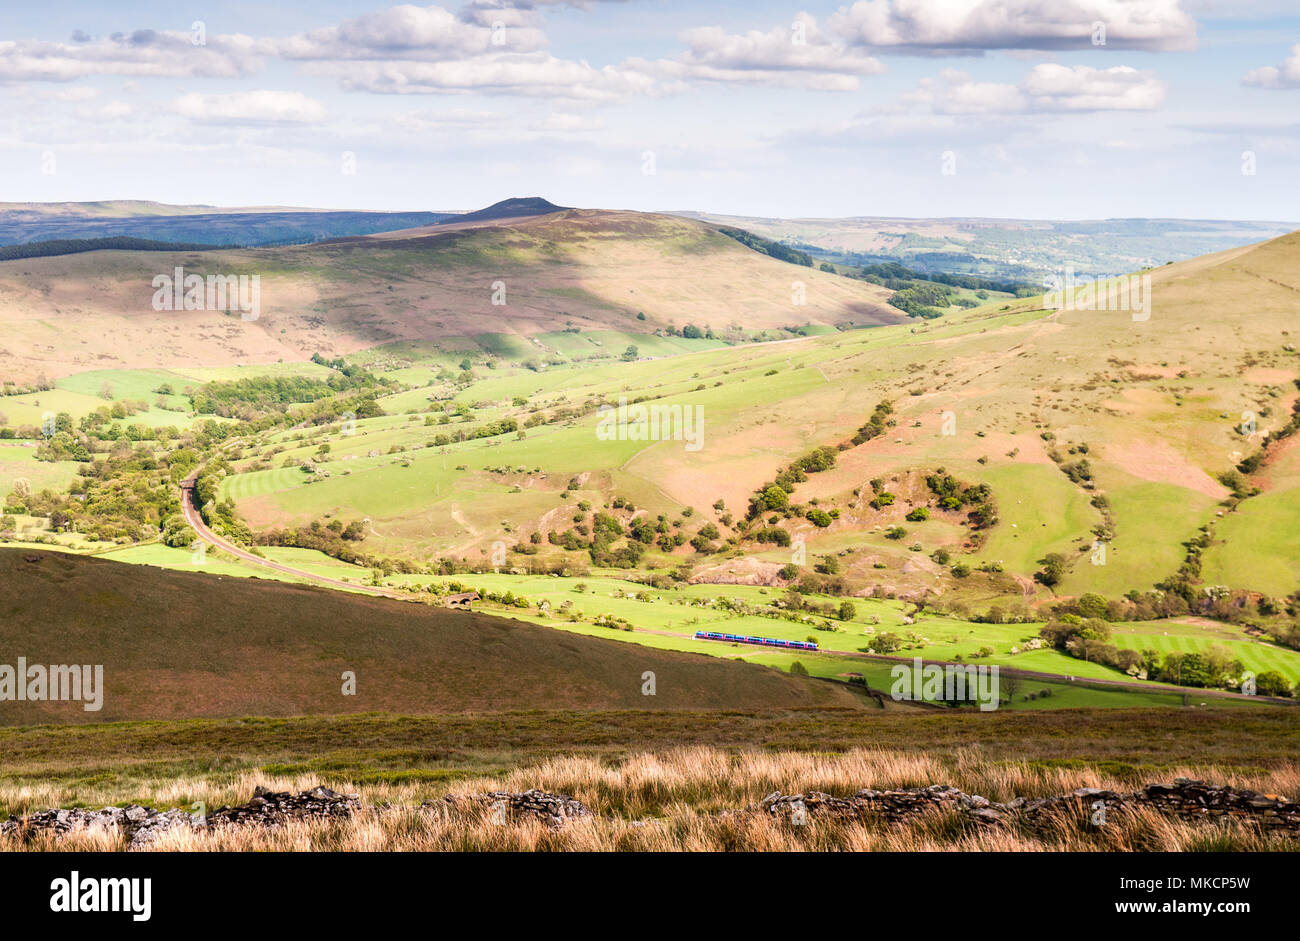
[(461, 601)]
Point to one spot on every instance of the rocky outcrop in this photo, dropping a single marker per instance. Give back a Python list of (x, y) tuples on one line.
[(1185, 798), (554, 810), (271, 807), (143, 825)]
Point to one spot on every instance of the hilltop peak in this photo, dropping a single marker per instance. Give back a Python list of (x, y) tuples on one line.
[(513, 207)]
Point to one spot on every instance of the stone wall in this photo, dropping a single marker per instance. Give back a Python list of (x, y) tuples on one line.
[(1185, 799)]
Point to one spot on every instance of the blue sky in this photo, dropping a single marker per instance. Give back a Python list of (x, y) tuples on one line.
[(1001, 108)]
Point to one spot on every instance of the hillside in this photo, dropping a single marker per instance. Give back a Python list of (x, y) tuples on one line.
[(514, 208), (1008, 249), (216, 227), (175, 645), (1086, 426), (574, 270), (1094, 451)]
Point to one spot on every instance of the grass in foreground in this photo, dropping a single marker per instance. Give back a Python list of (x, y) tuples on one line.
[(406, 759), (677, 800)]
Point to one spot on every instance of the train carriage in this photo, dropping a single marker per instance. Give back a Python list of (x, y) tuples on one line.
[(757, 641)]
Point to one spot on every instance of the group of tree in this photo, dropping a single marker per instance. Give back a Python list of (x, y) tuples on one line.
[(1089, 638), (953, 494), (252, 397), (767, 246)]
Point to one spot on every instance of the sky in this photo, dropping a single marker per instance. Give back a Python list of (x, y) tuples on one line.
[(1039, 109)]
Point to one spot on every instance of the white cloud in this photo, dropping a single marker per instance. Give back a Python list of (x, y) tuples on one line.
[(532, 75), (253, 107), (144, 52), (1287, 75), (800, 55), (936, 26), (488, 48), (1054, 87), (1049, 87), (423, 33)]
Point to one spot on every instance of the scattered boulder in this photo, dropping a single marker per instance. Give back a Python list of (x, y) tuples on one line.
[(272, 807), (1185, 798), (143, 825), (554, 810)]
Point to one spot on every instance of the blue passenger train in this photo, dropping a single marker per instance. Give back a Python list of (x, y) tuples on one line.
[(760, 641)]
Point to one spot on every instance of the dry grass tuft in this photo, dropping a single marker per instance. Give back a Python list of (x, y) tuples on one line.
[(692, 799)]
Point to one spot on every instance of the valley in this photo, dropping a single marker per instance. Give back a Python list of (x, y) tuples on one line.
[(960, 481)]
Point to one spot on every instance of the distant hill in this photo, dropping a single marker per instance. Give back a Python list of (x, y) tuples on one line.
[(510, 209), (572, 269), (114, 243), (179, 645), (24, 223), (1004, 249)]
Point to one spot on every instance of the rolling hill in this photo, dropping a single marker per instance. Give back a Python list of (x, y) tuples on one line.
[(1087, 426), (1111, 451), (21, 223), (175, 645), (1010, 249), (572, 269), (518, 207)]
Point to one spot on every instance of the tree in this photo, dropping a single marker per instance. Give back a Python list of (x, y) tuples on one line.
[(1130, 661), (177, 534), (1094, 629), (631, 353), (1008, 683), (847, 611), (1272, 683), (1053, 569), (798, 669), (1092, 605), (886, 642)]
